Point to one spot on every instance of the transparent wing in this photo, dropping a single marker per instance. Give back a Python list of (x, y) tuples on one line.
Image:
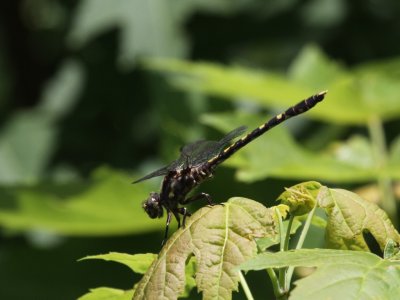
[(175, 165), (202, 151), (196, 153)]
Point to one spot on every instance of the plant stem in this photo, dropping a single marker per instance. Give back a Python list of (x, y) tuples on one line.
[(299, 244), (275, 282), (282, 271), (378, 141), (287, 237), (245, 287), (281, 236)]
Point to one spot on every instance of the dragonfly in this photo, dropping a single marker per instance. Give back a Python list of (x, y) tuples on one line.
[(198, 161)]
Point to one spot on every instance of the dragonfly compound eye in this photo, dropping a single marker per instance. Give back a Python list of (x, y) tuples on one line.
[(152, 206)]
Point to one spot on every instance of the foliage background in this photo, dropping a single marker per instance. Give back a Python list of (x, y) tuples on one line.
[(81, 117)]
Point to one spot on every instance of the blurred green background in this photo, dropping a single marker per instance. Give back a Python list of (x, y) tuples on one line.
[(95, 93)]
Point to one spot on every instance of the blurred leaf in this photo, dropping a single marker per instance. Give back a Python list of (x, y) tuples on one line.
[(386, 67), (359, 94), (138, 263), (356, 151), (28, 139), (316, 221), (352, 98), (261, 87), (349, 216), (148, 28), (395, 152), (26, 144), (107, 204), (62, 91), (340, 274), (106, 293), (220, 237), (312, 66)]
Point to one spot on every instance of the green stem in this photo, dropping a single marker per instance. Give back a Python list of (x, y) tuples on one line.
[(245, 287), (282, 271), (275, 282), (287, 237), (281, 233), (299, 244), (378, 141)]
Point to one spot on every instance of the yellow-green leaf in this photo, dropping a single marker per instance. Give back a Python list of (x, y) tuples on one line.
[(349, 216), (220, 237)]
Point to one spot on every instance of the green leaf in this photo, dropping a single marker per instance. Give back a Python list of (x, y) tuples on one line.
[(146, 28), (349, 216), (265, 243), (26, 143), (316, 221), (353, 98), (28, 139), (106, 204), (233, 82), (190, 273), (138, 263), (220, 237), (391, 250), (62, 91), (301, 198), (106, 293), (340, 274)]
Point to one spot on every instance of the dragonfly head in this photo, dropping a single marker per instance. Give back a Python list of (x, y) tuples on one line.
[(152, 206)]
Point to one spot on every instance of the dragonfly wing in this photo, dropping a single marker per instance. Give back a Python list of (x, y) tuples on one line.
[(201, 151), (231, 135), (196, 153), (175, 165)]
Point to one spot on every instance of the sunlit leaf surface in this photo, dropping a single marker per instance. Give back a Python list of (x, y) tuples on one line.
[(105, 204), (220, 238), (349, 216), (340, 274)]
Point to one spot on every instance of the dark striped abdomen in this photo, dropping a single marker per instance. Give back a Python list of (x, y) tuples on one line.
[(295, 110)]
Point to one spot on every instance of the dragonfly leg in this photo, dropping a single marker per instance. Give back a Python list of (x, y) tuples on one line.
[(183, 211), (169, 215), (177, 217), (198, 197)]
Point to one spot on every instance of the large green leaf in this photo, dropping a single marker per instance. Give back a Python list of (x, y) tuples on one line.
[(106, 204), (340, 274), (220, 237), (138, 263), (353, 98), (235, 82), (349, 216)]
